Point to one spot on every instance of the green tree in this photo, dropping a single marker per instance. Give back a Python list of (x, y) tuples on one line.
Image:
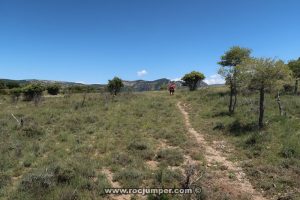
[(2, 85), (294, 66), (263, 74), (53, 89), (33, 91), (115, 85), (231, 58), (15, 94), (191, 79)]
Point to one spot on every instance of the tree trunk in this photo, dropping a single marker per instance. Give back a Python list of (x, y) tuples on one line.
[(279, 104), (235, 100), (230, 110), (296, 87), (261, 107)]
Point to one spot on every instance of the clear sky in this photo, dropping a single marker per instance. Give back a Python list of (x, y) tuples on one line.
[(93, 40)]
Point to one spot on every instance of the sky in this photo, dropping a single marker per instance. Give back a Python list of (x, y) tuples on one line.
[(91, 41)]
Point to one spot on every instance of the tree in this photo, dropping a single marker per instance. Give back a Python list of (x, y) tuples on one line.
[(294, 66), (263, 74), (53, 89), (191, 79), (2, 85), (231, 58), (15, 94), (114, 86), (33, 91)]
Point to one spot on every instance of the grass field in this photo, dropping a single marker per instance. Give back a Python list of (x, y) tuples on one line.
[(64, 148), (67, 149)]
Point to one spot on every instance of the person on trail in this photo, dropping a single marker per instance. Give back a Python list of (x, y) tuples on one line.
[(171, 88)]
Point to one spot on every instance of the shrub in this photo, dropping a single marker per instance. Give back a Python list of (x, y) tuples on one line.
[(32, 130), (131, 178), (33, 91), (288, 152), (173, 157), (53, 89), (63, 174), (121, 158), (15, 94), (4, 180), (38, 181), (142, 149)]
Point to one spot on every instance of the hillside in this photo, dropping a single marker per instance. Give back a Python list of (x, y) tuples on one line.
[(137, 86)]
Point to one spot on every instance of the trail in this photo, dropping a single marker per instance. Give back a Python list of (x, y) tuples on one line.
[(236, 187)]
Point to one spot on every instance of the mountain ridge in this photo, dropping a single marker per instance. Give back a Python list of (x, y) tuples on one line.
[(135, 85)]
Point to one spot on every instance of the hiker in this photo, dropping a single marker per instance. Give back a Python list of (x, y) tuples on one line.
[(171, 88)]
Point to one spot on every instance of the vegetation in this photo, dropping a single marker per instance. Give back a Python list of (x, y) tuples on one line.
[(192, 79), (232, 58), (270, 156), (53, 89), (33, 91), (294, 65), (62, 152), (263, 74), (114, 86), (9, 84)]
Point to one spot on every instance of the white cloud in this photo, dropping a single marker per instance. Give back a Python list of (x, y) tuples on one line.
[(214, 79), (142, 73), (176, 79)]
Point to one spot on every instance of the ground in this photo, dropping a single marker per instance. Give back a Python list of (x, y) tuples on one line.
[(67, 149)]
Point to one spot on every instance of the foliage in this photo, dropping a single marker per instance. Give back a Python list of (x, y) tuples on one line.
[(233, 57), (15, 94), (191, 79), (114, 86), (9, 84), (53, 89), (32, 91), (2, 85), (263, 74), (266, 73), (294, 65)]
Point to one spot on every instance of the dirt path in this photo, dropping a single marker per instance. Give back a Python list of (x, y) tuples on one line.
[(237, 186)]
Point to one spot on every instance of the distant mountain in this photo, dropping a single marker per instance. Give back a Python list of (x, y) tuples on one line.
[(138, 85), (141, 85)]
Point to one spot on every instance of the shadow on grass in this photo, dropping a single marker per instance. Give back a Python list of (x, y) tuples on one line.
[(238, 128), (221, 114)]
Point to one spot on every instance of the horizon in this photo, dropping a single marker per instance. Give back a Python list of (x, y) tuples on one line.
[(92, 41)]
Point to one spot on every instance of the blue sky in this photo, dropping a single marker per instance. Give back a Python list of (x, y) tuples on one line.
[(93, 40)]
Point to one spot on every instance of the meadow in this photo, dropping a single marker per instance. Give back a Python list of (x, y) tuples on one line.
[(74, 146)]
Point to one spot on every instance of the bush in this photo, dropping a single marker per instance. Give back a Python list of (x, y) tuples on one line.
[(141, 149), (173, 157), (4, 180), (131, 178), (32, 130), (63, 174), (53, 89), (38, 181), (288, 152), (33, 91), (15, 94), (288, 88)]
